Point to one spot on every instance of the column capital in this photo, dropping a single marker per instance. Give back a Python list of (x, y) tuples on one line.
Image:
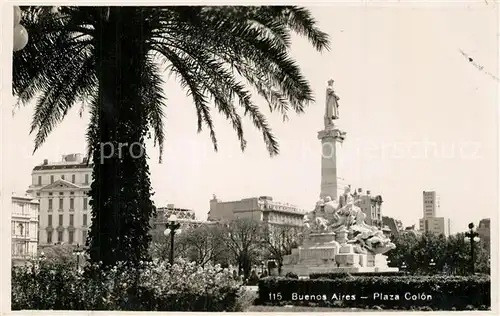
[(335, 133)]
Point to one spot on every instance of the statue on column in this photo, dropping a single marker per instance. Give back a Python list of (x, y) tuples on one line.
[(332, 105)]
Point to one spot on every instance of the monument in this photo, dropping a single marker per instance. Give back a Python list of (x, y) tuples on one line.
[(336, 237)]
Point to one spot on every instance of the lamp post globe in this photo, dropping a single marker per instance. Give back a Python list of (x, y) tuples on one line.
[(20, 36), (17, 15)]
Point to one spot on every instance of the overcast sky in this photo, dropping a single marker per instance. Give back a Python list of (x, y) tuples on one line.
[(417, 114)]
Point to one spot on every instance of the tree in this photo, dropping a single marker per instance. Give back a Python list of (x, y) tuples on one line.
[(111, 58), (458, 256), (205, 246), (242, 238), (405, 244), (160, 247), (62, 255), (278, 242), (451, 255)]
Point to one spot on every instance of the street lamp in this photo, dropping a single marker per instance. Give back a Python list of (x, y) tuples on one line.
[(403, 266), (173, 226), (42, 256), (20, 32), (78, 252), (472, 236)]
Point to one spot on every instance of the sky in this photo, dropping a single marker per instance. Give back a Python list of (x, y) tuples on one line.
[(418, 116)]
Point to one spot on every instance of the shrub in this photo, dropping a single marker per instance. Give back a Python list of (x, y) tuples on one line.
[(336, 275), (291, 275), (151, 287), (446, 292)]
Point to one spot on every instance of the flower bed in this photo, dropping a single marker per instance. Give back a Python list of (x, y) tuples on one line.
[(152, 287), (398, 292)]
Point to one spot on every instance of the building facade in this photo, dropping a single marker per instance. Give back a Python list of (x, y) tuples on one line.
[(395, 226), (24, 228), (261, 208), (371, 205), (483, 229), (430, 222), (158, 222), (62, 189)]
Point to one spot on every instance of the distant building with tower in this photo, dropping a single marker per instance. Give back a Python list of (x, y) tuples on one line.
[(24, 228), (262, 208), (430, 222), (62, 190)]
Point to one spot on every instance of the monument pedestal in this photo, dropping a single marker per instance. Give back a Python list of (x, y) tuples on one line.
[(323, 253)]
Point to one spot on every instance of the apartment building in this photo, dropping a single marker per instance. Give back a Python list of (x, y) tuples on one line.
[(24, 228), (262, 208), (62, 190)]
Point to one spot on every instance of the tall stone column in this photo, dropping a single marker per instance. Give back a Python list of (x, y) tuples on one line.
[(331, 138)]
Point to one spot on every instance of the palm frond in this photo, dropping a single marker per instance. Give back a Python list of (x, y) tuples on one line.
[(153, 100)]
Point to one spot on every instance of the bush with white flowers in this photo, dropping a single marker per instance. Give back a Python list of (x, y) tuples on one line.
[(154, 286)]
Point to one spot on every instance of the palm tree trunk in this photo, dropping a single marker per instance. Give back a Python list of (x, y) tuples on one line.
[(121, 189)]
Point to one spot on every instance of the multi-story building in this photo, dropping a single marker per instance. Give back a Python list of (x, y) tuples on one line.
[(158, 222), (430, 222), (371, 205), (24, 228), (62, 188), (483, 229), (394, 225), (261, 208)]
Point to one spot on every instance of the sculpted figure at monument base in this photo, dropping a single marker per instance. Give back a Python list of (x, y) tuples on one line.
[(338, 239)]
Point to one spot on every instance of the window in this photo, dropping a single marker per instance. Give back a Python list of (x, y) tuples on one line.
[(84, 220), (39, 180), (71, 193), (60, 220), (61, 204), (13, 226), (84, 236), (50, 204), (71, 203), (59, 236), (85, 203), (62, 177), (61, 193), (73, 178), (86, 179), (50, 193), (51, 179), (50, 221), (49, 237), (38, 194), (71, 220), (71, 235)]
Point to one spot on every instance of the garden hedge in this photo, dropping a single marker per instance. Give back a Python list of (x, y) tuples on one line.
[(398, 292), (335, 275)]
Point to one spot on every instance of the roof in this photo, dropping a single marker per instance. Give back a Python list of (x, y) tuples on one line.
[(25, 199), (60, 184), (63, 166)]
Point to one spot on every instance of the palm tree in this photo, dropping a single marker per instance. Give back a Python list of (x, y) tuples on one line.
[(113, 59)]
